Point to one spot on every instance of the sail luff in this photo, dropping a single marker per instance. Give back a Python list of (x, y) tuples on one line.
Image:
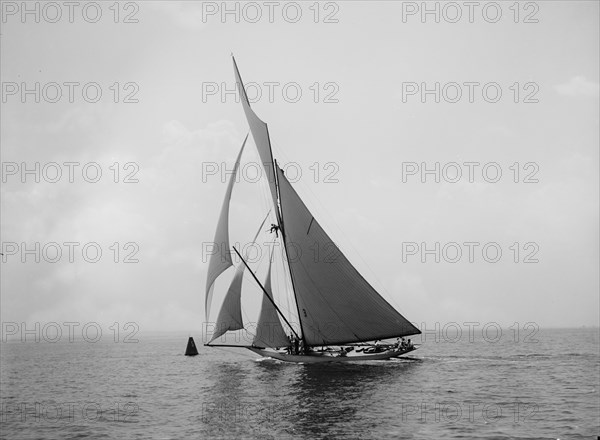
[(221, 260), (260, 134), (230, 315), (242, 89)]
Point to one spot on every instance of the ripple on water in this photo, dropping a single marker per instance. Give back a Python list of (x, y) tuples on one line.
[(149, 390)]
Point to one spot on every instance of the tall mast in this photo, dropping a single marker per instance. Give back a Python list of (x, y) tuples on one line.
[(260, 133), (287, 255)]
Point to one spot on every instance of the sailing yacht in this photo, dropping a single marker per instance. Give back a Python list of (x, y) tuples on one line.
[(340, 315)]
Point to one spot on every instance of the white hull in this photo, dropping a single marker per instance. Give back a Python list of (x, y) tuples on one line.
[(331, 356)]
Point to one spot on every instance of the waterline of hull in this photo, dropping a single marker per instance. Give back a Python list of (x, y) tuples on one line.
[(321, 357)]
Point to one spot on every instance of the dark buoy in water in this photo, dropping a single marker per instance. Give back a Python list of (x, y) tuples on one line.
[(191, 349)]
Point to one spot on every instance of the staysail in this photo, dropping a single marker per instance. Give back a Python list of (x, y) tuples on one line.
[(336, 304), (260, 134), (269, 331), (221, 260), (230, 315)]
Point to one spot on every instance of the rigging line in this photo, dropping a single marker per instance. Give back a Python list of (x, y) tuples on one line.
[(285, 290), (268, 296), (246, 318), (278, 210), (265, 193), (287, 255), (310, 224), (276, 270), (293, 312), (280, 279), (267, 199)]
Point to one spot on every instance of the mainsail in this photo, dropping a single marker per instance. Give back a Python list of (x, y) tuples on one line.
[(221, 260), (269, 331), (336, 304)]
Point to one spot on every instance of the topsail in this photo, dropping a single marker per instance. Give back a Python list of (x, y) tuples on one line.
[(260, 134)]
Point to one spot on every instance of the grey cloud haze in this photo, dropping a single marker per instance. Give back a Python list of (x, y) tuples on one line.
[(374, 210)]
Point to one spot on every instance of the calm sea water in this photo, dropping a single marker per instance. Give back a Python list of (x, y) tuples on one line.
[(510, 389)]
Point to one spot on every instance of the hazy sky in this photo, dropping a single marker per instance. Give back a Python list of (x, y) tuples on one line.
[(368, 134)]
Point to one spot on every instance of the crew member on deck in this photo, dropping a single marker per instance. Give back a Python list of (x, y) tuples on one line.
[(377, 346)]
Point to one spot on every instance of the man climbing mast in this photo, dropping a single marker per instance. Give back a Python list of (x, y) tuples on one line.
[(274, 228)]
